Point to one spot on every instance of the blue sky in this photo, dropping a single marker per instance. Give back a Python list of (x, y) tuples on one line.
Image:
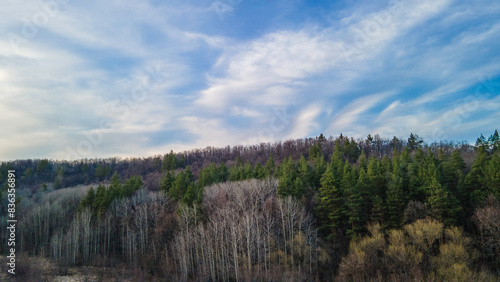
[(86, 79)]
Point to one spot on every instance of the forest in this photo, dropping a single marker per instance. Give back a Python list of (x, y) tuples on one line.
[(313, 209)]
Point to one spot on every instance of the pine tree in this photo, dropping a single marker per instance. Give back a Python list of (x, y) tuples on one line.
[(377, 180), (270, 166), (259, 171), (89, 199), (366, 188), (131, 185), (331, 206), (222, 172), (304, 172), (494, 141), (414, 142), (286, 184), (395, 202), (336, 164), (99, 199), (453, 170), (319, 169), (442, 204), (247, 172), (315, 152), (180, 186), (362, 161), (167, 181), (356, 211), (471, 190), (492, 177), (300, 188), (378, 210), (190, 195), (351, 150)]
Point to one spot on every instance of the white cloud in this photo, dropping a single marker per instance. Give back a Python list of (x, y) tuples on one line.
[(305, 122), (84, 64)]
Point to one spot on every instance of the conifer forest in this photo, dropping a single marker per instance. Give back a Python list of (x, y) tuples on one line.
[(313, 209)]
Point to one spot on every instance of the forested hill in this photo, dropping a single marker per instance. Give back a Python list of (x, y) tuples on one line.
[(32, 174), (313, 209)]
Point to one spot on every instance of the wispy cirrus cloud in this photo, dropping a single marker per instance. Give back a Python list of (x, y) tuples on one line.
[(174, 75)]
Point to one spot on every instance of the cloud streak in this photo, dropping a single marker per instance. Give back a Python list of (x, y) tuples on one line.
[(359, 68)]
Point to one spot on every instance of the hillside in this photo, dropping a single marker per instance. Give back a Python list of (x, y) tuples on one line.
[(308, 209)]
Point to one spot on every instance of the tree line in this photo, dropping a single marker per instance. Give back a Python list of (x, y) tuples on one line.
[(329, 208)]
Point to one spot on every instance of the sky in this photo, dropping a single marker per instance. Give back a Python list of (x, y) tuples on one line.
[(122, 78)]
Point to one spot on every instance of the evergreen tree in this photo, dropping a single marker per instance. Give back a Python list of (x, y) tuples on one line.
[(472, 190), (167, 181), (190, 196), (304, 172), (494, 141), (442, 204), (247, 172), (180, 186), (356, 210), (131, 185), (377, 182), (259, 171), (365, 187), (331, 206), (414, 142), (351, 150), (378, 210), (481, 141), (223, 173), (362, 161), (89, 199), (234, 173), (99, 199), (169, 162), (395, 201), (491, 181), (286, 184), (315, 152), (319, 169), (336, 164), (453, 170), (300, 188), (270, 166)]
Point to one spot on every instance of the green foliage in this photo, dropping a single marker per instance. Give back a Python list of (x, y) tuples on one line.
[(356, 208), (330, 208), (315, 152), (442, 204), (167, 181), (351, 150), (99, 200), (43, 166), (378, 210), (414, 142), (270, 166), (492, 144), (287, 175), (319, 169), (131, 185), (180, 185), (395, 201), (190, 195), (102, 172), (170, 162)]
